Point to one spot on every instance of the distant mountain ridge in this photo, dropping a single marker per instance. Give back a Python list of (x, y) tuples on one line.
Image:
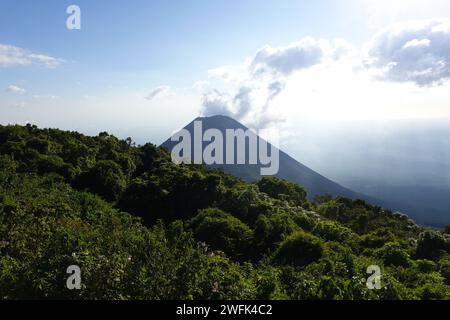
[(315, 183), (289, 168)]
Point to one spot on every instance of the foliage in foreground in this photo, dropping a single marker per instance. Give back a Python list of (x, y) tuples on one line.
[(141, 227)]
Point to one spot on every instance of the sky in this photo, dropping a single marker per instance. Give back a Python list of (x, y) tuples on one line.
[(146, 68)]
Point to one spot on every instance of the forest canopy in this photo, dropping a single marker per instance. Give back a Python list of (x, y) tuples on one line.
[(141, 227)]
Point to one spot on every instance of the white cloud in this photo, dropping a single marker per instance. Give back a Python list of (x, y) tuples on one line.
[(331, 79), (48, 61), (285, 60), (417, 43), (261, 78), (229, 74), (299, 55), (11, 56), (416, 51), (215, 102), (200, 85), (14, 89), (159, 92)]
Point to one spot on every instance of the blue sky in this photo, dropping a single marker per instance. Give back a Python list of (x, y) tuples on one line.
[(145, 68), (144, 43)]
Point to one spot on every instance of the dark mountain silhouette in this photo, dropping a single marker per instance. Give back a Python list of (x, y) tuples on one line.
[(315, 184), (428, 205), (289, 168)]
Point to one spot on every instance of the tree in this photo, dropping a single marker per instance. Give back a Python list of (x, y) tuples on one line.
[(392, 253), (283, 190), (105, 179), (205, 234), (299, 249), (145, 198), (431, 245), (331, 209), (222, 231), (271, 229), (331, 231), (447, 229)]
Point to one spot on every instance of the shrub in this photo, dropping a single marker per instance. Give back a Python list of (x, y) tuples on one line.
[(331, 231), (392, 253), (222, 231), (105, 179), (299, 249), (271, 229), (431, 245), (282, 190)]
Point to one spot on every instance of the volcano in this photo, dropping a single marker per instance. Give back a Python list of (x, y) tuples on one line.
[(289, 168)]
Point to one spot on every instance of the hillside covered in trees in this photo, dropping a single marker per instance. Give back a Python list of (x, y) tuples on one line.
[(142, 227)]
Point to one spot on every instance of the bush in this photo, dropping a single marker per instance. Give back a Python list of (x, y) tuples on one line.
[(222, 231), (433, 288), (377, 238), (271, 229), (331, 231), (283, 190), (426, 266), (299, 249), (304, 221), (431, 245), (447, 229), (105, 179), (46, 225), (393, 254), (444, 268), (331, 210)]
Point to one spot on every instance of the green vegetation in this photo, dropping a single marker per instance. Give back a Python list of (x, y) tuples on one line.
[(142, 227)]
